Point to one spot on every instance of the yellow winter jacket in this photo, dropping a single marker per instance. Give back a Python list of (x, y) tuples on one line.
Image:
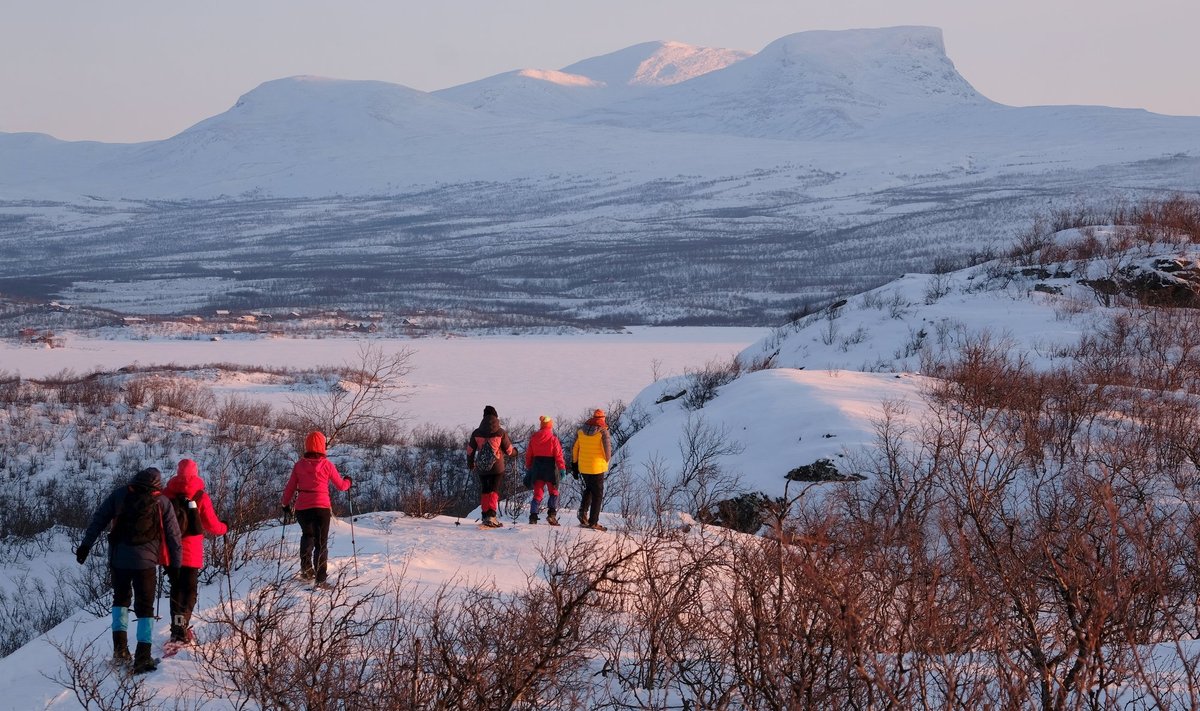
[(591, 450)]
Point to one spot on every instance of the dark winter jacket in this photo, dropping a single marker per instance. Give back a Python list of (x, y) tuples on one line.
[(144, 555), (187, 482), (489, 433), (544, 456)]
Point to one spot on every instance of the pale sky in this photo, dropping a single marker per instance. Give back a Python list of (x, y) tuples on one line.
[(133, 70)]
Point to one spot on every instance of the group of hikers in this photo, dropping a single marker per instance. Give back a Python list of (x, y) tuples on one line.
[(545, 466), (150, 525)]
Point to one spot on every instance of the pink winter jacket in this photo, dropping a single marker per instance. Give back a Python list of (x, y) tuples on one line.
[(187, 481), (309, 483)]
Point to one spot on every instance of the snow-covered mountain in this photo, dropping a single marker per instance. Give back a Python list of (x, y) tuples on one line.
[(811, 85), (824, 147)]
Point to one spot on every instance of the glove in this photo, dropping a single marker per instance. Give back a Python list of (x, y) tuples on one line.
[(172, 572), (81, 554), (561, 473), (349, 482), (287, 513), (575, 469)]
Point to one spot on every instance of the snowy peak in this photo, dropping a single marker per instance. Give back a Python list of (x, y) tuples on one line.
[(877, 65), (546, 94), (653, 64), (821, 84)]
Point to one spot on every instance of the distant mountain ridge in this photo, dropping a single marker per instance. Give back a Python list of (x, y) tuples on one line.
[(663, 182), (314, 136)]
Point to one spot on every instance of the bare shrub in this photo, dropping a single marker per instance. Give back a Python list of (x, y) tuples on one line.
[(96, 684), (358, 404), (702, 384)]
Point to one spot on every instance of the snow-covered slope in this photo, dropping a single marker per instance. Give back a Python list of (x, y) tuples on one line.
[(829, 374)]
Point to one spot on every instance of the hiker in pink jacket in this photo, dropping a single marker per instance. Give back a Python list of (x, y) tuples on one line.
[(188, 488), (309, 485)]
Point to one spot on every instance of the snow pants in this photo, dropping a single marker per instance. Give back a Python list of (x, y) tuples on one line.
[(137, 587), (593, 493), (314, 541), (489, 493), (551, 505), (183, 596)]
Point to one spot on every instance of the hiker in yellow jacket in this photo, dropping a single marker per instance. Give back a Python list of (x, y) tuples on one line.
[(589, 458)]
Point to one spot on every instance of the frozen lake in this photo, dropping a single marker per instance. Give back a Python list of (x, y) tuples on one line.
[(452, 377)]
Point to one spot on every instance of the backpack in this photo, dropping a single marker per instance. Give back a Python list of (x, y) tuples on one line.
[(485, 457), (188, 516), (139, 521)]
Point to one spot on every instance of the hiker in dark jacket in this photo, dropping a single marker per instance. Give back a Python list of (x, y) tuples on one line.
[(188, 486), (309, 485), (142, 522), (589, 458), (486, 449), (545, 466)]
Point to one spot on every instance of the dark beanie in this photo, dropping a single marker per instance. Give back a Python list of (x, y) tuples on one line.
[(489, 411)]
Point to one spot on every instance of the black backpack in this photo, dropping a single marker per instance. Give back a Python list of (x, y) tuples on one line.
[(139, 521), (485, 457), (188, 516)]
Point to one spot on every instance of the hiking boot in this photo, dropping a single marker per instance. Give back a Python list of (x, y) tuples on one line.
[(142, 660), (182, 635), (491, 522), (533, 519), (307, 574), (121, 647), (582, 521), (552, 520), (598, 527)]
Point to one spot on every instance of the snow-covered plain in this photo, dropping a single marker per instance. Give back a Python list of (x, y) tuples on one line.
[(452, 377)]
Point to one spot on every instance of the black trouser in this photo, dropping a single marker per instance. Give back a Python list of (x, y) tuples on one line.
[(314, 541), (183, 596), (593, 492), (137, 586)]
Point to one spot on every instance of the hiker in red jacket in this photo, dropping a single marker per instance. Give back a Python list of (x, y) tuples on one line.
[(545, 464), (486, 449), (309, 484), (186, 489)]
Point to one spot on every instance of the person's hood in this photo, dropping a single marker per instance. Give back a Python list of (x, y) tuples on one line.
[(490, 424), (186, 481), (149, 478), (543, 435)]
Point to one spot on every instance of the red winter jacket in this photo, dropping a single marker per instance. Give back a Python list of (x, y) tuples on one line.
[(187, 481), (543, 443), (310, 480)]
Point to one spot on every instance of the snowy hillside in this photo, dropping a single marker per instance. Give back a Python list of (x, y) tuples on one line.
[(1058, 386), (817, 387)]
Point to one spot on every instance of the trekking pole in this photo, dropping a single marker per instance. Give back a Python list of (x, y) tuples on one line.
[(279, 558), (353, 545), (158, 596)]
